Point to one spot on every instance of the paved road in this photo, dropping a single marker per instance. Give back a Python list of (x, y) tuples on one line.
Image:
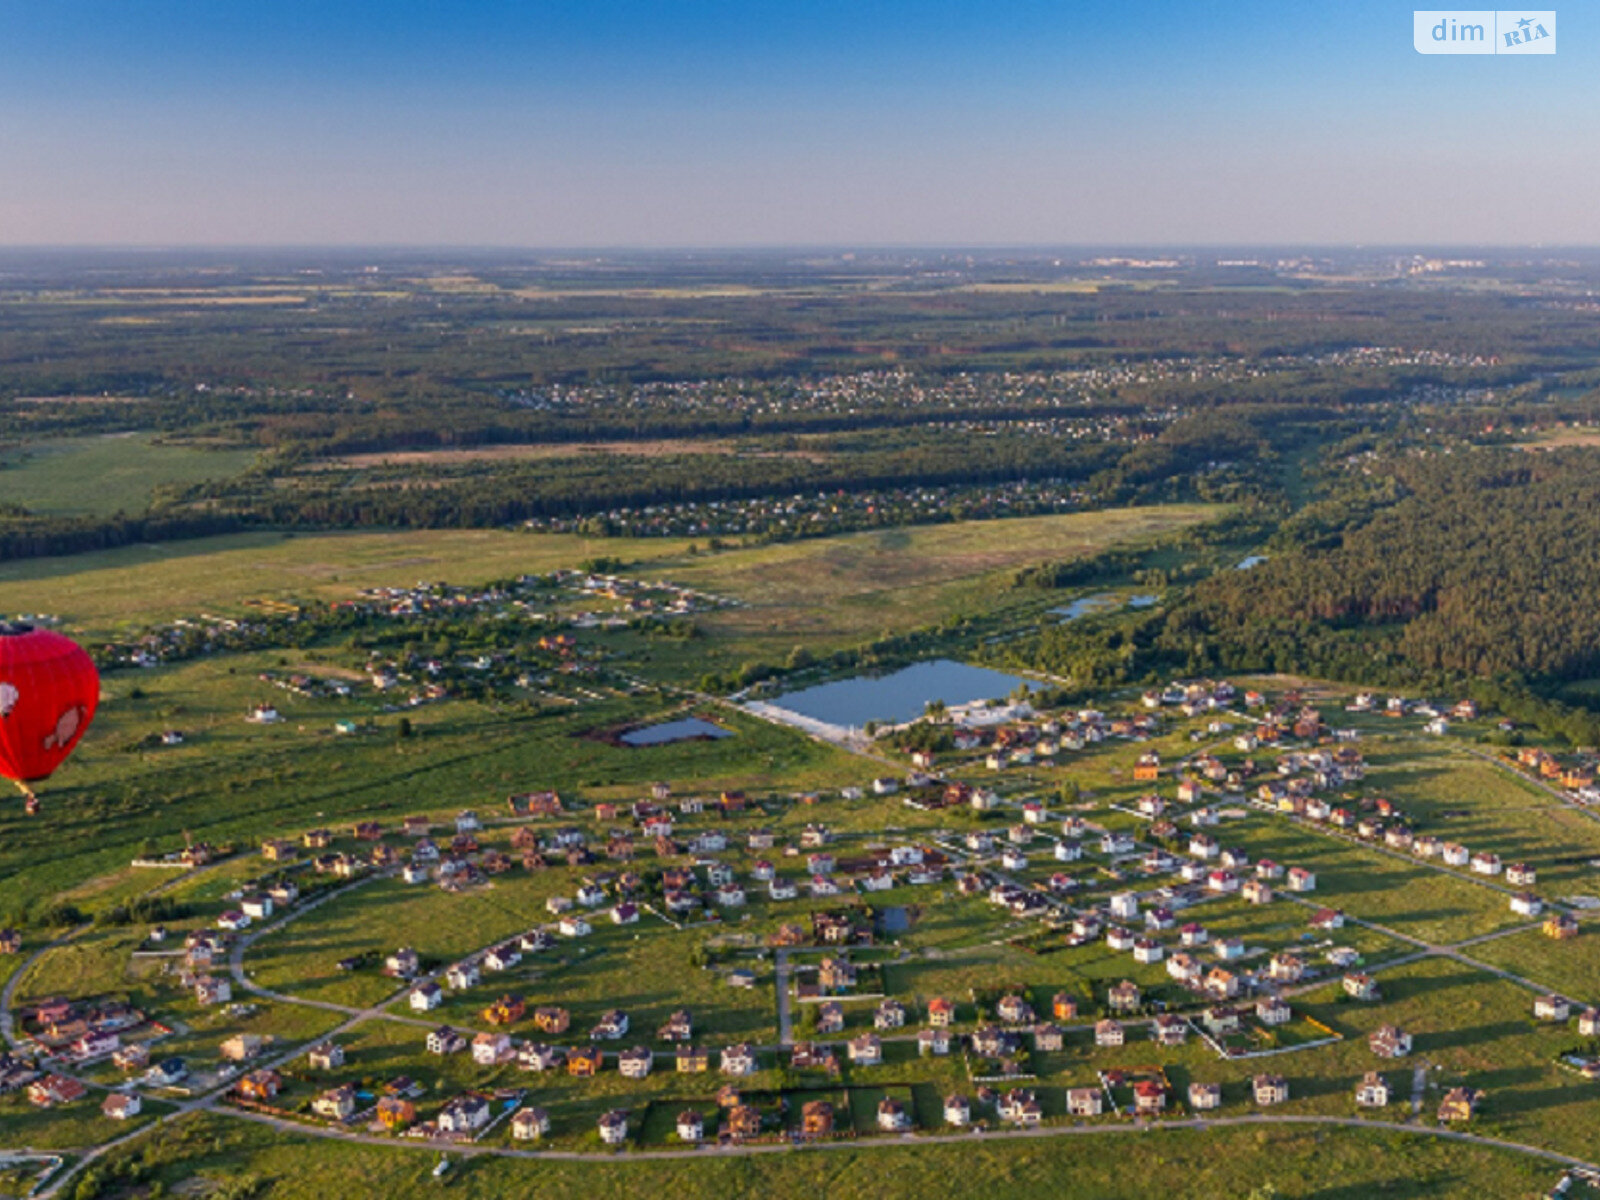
[(780, 981)]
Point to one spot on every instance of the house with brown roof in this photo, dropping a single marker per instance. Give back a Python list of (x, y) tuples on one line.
[(866, 1050), (1552, 1008), (635, 1063), (1109, 1033), (1169, 1029), (1205, 1096), (492, 1049), (679, 1027), (830, 1017), (691, 1060), (396, 1113), (1014, 1010), (1389, 1041), (1460, 1104), (1148, 1096), (1273, 1010), (1360, 986), (584, 1062), (1021, 1107), (744, 1121), (1561, 926), (51, 1091), (336, 1103), (1048, 1037), (1372, 1091), (261, 1086), (1124, 997), (551, 1019), (1270, 1089), (690, 1126), (893, 1116), (120, 1106), (530, 1124), (816, 1119), (613, 1126), (1085, 1102)]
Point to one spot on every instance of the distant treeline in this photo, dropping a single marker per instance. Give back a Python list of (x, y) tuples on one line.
[(489, 424), (42, 537)]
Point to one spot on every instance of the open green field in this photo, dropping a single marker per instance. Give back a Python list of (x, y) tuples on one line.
[(1459, 797), (236, 782), (99, 476), (1421, 902), (821, 591), (827, 591), (1570, 967), (1303, 1163), (102, 592)]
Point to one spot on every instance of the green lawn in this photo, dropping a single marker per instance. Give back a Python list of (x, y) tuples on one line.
[(839, 590), (108, 590), (1302, 1163), (98, 476)]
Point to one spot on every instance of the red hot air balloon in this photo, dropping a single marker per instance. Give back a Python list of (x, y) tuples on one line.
[(49, 690)]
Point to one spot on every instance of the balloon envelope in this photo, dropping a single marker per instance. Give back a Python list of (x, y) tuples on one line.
[(49, 690)]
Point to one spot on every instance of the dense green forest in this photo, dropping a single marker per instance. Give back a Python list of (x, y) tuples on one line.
[(1477, 569)]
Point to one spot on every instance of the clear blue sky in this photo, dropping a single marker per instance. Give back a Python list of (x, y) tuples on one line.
[(698, 122)]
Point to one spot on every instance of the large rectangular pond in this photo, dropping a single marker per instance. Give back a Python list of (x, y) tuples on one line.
[(898, 697)]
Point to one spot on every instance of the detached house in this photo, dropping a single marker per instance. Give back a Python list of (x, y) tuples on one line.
[(866, 1050), (530, 1124), (1372, 1091), (1460, 1104), (1390, 1041), (1552, 1008), (1360, 986), (1270, 1089), (464, 1114), (445, 1040), (1085, 1102)]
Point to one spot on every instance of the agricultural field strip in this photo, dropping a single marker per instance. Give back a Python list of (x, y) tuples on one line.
[(1043, 1131), (1555, 793)]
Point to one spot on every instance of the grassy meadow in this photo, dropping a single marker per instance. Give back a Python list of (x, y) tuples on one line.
[(99, 476)]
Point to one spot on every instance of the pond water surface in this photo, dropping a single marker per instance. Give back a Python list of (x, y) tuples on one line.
[(673, 731), (901, 696)]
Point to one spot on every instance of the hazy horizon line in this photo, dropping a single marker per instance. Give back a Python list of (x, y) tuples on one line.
[(786, 247)]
